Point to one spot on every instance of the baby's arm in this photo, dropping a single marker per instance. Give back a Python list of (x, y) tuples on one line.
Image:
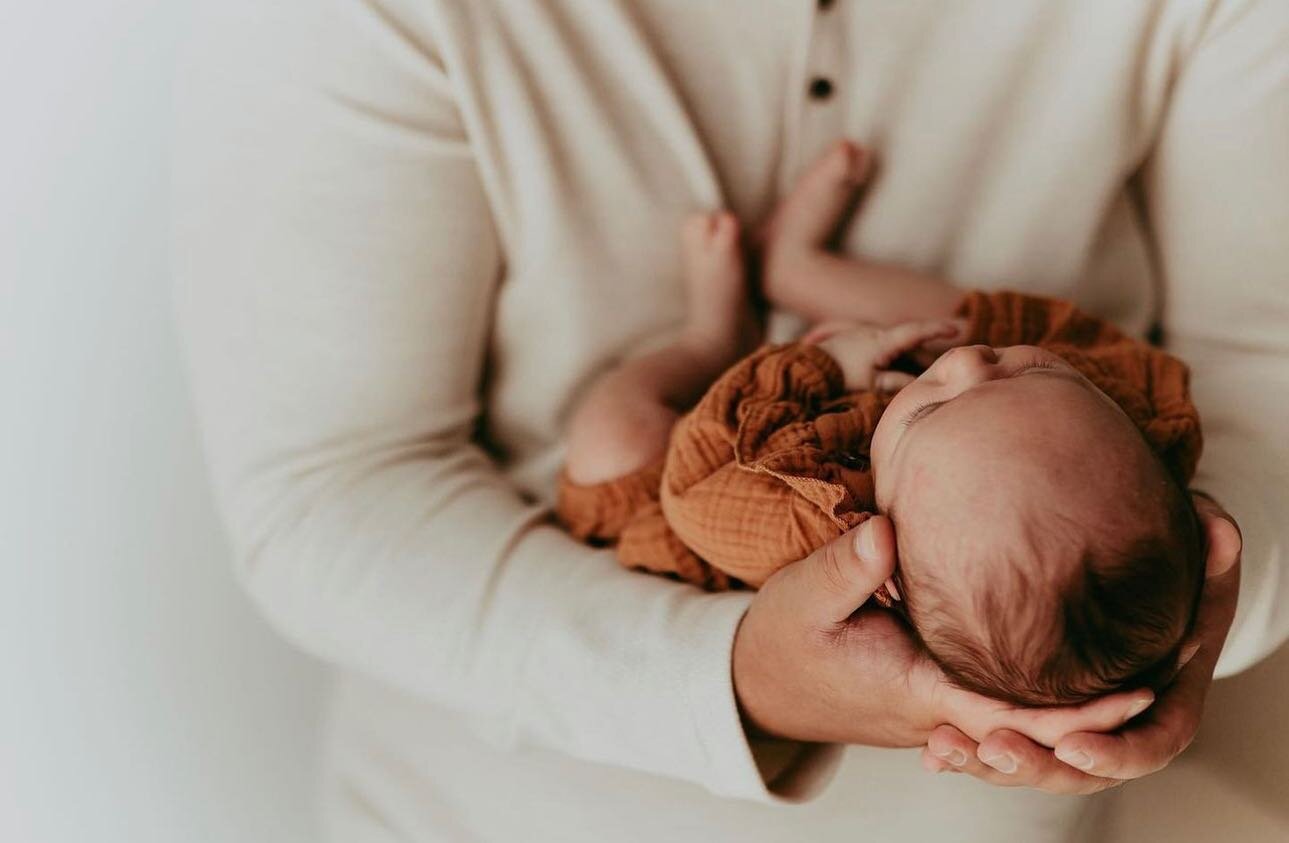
[(624, 422), (803, 275)]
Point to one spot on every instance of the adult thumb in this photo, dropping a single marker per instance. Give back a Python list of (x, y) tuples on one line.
[(839, 577)]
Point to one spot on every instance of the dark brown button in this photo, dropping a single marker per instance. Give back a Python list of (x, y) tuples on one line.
[(820, 88), (825, 5)]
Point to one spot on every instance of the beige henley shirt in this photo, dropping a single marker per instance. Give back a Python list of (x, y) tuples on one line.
[(410, 232)]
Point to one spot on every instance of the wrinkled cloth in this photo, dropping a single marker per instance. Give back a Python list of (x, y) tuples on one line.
[(754, 476)]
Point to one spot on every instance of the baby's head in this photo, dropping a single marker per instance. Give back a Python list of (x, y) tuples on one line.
[(1047, 555)]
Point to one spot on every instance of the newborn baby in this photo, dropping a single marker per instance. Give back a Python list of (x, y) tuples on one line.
[(1034, 470)]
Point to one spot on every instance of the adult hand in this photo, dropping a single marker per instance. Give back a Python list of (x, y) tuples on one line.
[(1090, 760), (809, 666)]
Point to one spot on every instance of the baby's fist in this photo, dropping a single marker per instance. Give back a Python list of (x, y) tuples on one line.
[(865, 352)]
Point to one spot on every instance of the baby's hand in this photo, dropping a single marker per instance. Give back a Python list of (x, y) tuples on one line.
[(866, 352)]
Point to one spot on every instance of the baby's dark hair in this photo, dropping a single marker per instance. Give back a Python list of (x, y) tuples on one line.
[(1112, 613)]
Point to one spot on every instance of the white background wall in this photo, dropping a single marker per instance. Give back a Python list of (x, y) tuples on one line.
[(141, 699)]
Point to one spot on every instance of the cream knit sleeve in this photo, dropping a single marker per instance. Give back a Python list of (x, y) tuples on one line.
[(1217, 189), (337, 262)]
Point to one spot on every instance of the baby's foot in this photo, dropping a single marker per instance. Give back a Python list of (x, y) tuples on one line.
[(723, 323), (808, 218)]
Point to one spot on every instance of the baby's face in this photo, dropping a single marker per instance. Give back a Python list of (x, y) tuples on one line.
[(964, 374), (987, 443)]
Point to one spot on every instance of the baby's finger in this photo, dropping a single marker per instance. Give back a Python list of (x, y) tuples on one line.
[(889, 381), (824, 330), (941, 343), (907, 336)]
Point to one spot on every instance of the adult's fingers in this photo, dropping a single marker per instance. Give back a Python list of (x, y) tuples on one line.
[(1221, 534), (838, 578), (1024, 763), (978, 716), (1130, 754), (1170, 726), (1103, 714), (1149, 745), (1006, 759)]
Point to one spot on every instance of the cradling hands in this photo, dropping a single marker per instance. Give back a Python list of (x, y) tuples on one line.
[(814, 661), (1088, 760)]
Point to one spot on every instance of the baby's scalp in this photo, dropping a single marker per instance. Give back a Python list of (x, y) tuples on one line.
[(1046, 554)]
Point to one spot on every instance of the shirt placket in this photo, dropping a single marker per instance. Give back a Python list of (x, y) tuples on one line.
[(815, 114), (817, 106)]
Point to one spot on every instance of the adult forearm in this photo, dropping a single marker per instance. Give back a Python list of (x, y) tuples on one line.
[(429, 573)]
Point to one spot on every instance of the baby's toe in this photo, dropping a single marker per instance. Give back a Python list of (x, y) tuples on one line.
[(696, 231), (711, 238), (724, 234)]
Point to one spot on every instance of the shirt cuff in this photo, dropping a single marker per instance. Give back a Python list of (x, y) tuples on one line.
[(761, 769)]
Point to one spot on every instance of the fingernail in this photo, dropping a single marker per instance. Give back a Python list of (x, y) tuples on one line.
[(1186, 655), (1004, 763), (865, 543), (956, 757), (890, 587), (1138, 707), (1075, 758)]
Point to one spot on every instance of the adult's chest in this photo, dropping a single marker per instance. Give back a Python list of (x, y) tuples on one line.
[(1005, 138), (598, 126)]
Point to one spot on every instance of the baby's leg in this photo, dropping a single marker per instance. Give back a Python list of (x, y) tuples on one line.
[(625, 420), (804, 276)]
